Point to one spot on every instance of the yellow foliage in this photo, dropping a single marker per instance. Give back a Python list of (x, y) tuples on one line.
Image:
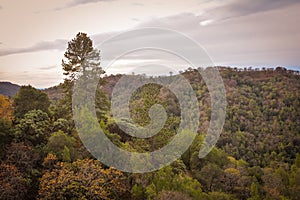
[(232, 160), (6, 108), (83, 179), (232, 171)]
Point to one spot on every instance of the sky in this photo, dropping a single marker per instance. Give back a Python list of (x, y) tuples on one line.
[(238, 33)]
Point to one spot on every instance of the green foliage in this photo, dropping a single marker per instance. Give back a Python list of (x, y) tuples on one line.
[(33, 128), (61, 145), (297, 161), (256, 157), (166, 180), (254, 192), (81, 59), (29, 98), (102, 104), (262, 117), (62, 124), (137, 192), (5, 132), (80, 56), (210, 176), (66, 157)]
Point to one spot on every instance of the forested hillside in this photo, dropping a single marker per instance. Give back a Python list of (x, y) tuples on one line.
[(256, 157), (8, 89)]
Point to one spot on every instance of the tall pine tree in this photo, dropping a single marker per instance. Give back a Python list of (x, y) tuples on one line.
[(81, 59)]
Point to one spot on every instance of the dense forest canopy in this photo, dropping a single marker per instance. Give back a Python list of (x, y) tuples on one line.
[(256, 157)]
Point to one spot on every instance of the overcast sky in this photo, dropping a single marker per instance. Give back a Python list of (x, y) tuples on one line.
[(34, 33)]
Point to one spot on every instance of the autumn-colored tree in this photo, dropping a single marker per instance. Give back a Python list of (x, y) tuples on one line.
[(26, 159), (231, 177), (50, 161), (6, 117), (23, 156), (83, 179), (12, 184), (271, 184), (6, 108)]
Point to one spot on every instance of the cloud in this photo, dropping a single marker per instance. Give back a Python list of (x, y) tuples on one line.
[(48, 67), (239, 8), (206, 22), (258, 38), (137, 4), (135, 19), (149, 38), (181, 21), (75, 3), (58, 44)]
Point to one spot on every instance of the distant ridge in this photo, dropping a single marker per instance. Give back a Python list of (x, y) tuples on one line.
[(9, 89)]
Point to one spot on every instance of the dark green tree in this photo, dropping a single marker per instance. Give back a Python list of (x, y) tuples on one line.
[(61, 145), (28, 98), (5, 132), (81, 59)]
